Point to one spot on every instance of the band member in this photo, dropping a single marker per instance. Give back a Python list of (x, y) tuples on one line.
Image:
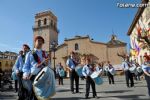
[(60, 73), (87, 71), (126, 65), (146, 69), (18, 70), (71, 64), (14, 77), (34, 62), (110, 74)]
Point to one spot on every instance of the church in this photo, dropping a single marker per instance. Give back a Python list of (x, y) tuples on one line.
[(98, 51), (46, 26)]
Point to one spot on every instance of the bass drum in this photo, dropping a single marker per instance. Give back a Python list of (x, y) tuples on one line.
[(139, 70), (14, 76), (62, 73), (78, 69), (44, 84), (132, 69), (112, 71), (95, 76)]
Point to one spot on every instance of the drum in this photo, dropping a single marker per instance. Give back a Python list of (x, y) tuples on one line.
[(27, 84), (98, 80), (106, 69), (95, 76), (14, 76), (139, 69), (44, 84), (62, 73), (132, 69), (112, 71), (78, 69)]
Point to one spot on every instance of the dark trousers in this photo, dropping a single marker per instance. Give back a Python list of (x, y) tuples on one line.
[(60, 80), (147, 78), (74, 76), (129, 77), (16, 85), (22, 92), (110, 78), (31, 93), (89, 81)]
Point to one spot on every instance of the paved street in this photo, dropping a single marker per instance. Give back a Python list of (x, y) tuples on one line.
[(119, 91)]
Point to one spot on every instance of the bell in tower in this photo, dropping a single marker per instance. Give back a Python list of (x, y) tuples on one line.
[(46, 26)]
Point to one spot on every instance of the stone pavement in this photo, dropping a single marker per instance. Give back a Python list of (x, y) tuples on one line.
[(118, 91)]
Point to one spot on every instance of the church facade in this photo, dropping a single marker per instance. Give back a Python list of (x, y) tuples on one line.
[(100, 52)]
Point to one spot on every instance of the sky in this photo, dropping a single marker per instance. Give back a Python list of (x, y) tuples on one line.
[(96, 18)]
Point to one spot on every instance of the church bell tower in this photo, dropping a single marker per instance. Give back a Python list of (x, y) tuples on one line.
[(45, 25)]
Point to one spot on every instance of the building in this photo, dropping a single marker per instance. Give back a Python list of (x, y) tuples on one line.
[(45, 25), (97, 50), (7, 60), (139, 33)]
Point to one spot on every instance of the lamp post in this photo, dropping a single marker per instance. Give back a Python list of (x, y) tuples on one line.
[(53, 48)]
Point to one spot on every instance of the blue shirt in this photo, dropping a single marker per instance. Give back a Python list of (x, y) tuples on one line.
[(70, 63), (98, 69), (58, 69), (87, 70), (30, 66), (125, 65), (146, 68), (19, 64)]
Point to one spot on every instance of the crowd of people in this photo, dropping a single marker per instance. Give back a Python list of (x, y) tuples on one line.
[(33, 67), (28, 70)]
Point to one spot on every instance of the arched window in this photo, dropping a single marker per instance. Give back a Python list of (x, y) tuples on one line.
[(76, 46), (39, 23), (45, 21)]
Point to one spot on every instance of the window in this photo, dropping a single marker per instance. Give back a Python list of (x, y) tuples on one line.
[(45, 21), (39, 23), (76, 46)]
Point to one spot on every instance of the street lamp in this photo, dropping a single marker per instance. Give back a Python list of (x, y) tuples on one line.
[(53, 48)]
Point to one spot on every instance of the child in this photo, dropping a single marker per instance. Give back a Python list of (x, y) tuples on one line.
[(87, 71)]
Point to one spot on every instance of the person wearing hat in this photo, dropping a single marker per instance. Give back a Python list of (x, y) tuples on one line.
[(18, 71), (34, 62)]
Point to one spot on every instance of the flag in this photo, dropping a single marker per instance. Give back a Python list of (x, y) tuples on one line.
[(137, 48), (139, 30)]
